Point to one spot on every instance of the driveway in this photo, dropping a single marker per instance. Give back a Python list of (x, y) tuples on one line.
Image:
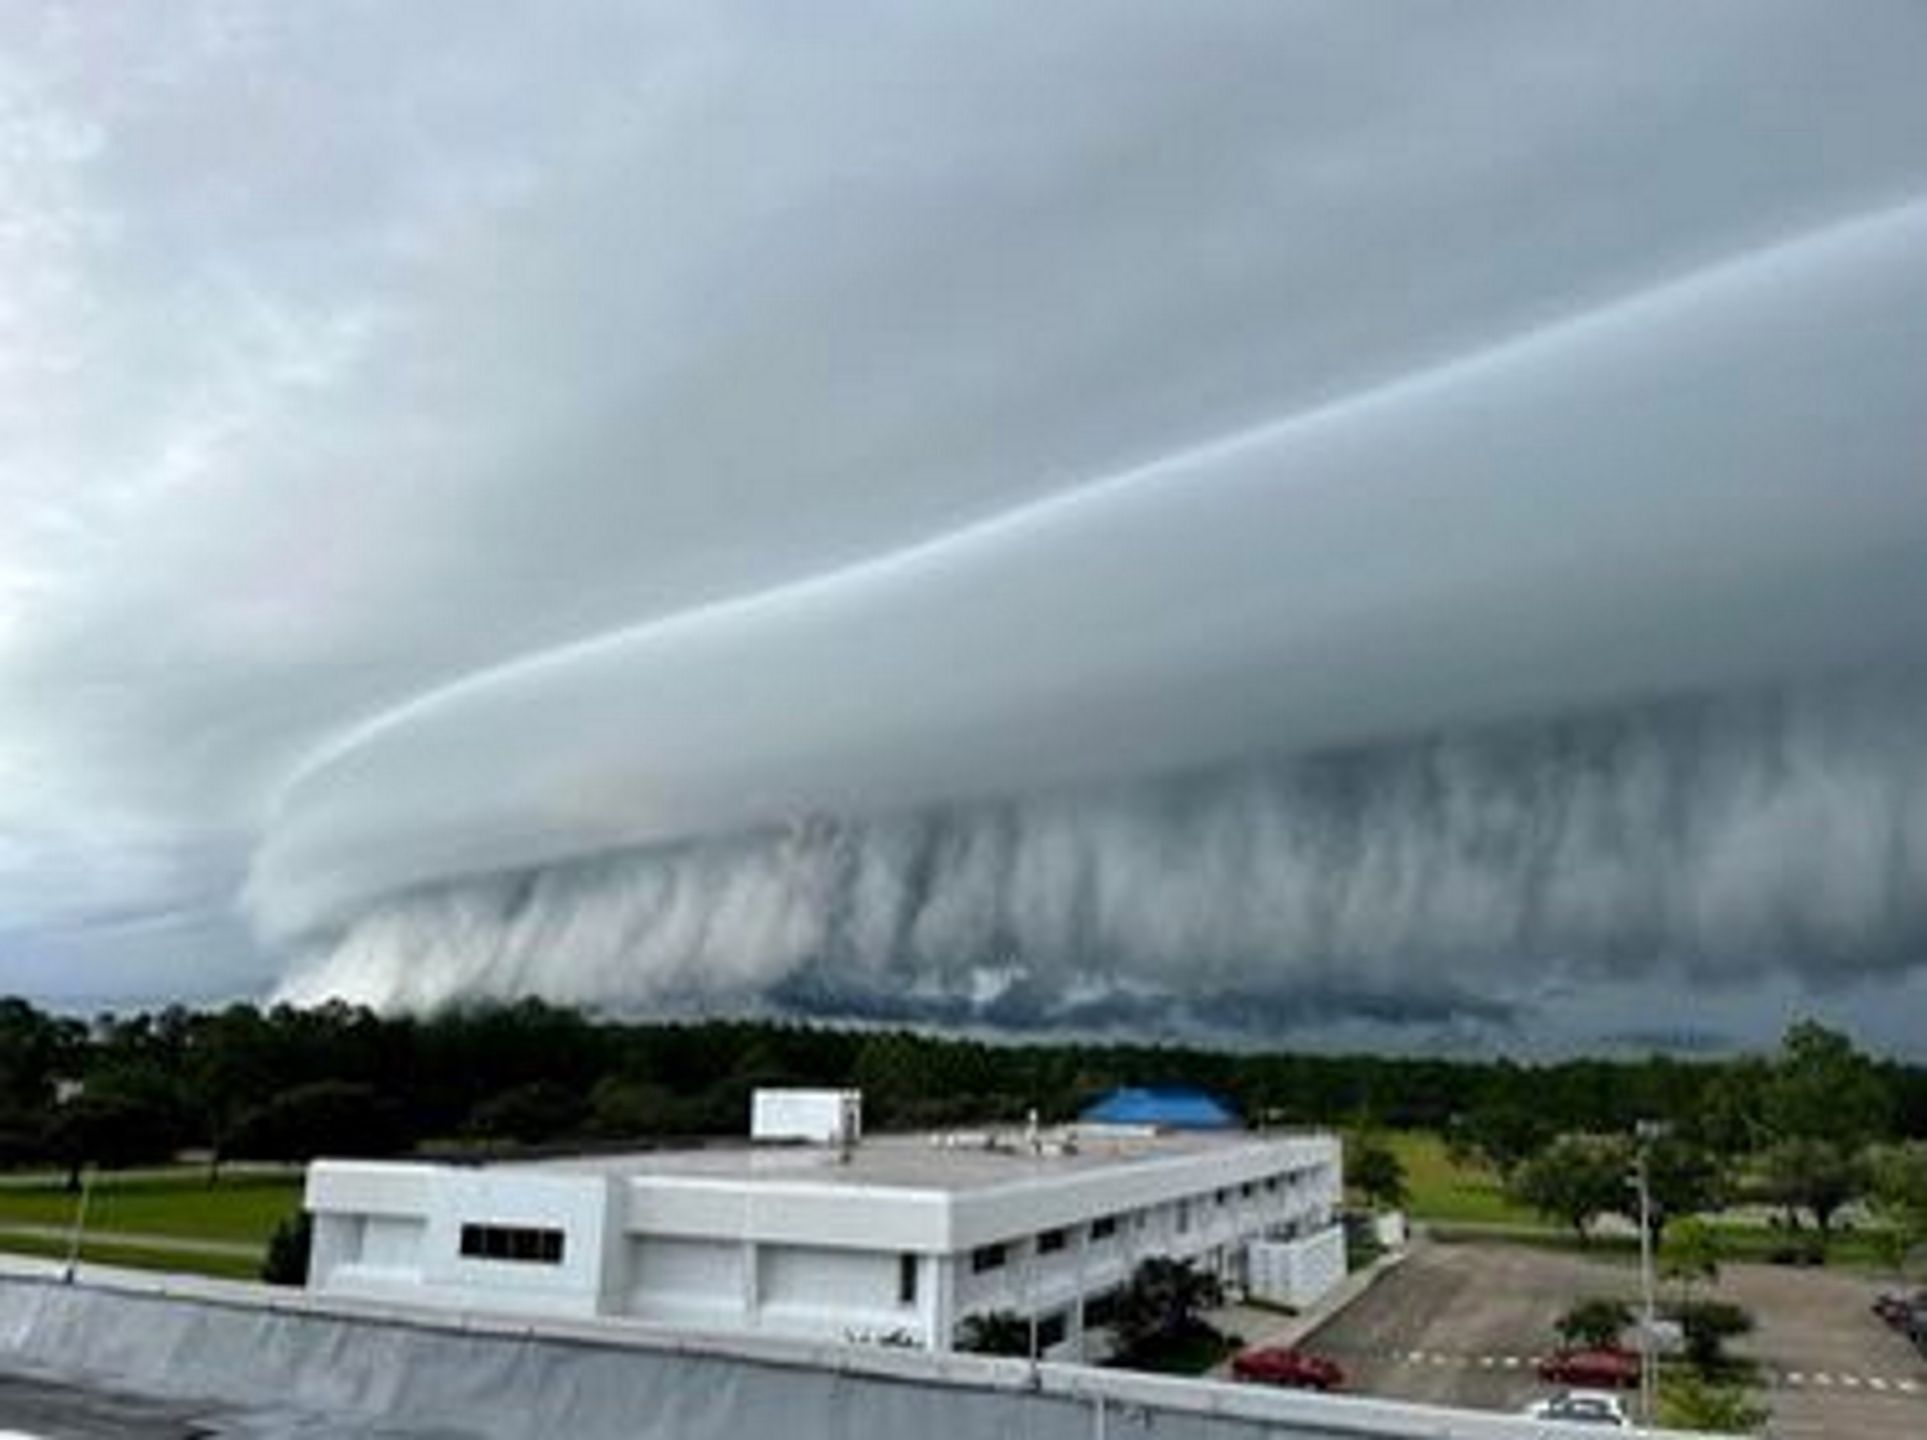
[(1464, 1324)]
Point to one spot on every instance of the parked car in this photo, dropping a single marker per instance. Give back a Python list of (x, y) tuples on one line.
[(1582, 1407), (1298, 1369), (1605, 1368), (1897, 1309)]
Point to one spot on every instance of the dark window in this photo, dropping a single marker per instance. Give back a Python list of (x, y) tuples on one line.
[(1052, 1240), (1246, 1189), (987, 1257), (1224, 1197), (1103, 1227), (1272, 1183), (1100, 1310), (524, 1244), (1051, 1329), (906, 1279)]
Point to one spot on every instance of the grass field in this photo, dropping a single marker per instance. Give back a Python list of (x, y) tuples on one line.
[(1444, 1190), (241, 1208)]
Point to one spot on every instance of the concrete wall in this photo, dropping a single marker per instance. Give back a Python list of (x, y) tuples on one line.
[(301, 1366)]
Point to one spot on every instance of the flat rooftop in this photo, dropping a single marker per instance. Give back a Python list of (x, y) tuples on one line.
[(945, 1161)]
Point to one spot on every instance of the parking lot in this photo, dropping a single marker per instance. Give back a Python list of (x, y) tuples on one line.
[(1464, 1324)]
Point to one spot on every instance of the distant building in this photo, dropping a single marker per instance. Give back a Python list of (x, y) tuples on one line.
[(892, 1241), (1168, 1107)]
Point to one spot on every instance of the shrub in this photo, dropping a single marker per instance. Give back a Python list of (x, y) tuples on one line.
[(1000, 1332), (1708, 1325), (286, 1262), (1595, 1322)]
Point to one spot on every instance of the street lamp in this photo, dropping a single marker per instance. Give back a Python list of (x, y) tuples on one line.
[(1645, 1132)]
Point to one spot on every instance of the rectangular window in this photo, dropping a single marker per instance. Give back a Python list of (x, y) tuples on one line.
[(1271, 1184), (986, 1257), (521, 1244), (906, 1279), (1051, 1329), (1051, 1241), (1103, 1227), (1246, 1189), (1224, 1197)]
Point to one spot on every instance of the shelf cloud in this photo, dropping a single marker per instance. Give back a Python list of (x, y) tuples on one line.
[(1259, 518)]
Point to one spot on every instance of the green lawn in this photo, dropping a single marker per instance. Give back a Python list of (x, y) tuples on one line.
[(240, 1208), (1442, 1189), (138, 1257)]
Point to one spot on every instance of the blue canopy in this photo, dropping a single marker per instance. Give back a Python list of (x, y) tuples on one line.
[(1174, 1107)]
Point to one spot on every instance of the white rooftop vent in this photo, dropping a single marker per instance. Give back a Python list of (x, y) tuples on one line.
[(812, 1117)]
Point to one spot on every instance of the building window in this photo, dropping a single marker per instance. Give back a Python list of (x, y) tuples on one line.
[(906, 1279), (524, 1244), (1271, 1184), (1246, 1189), (987, 1257), (1100, 1310), (1184, 1216), (1103, 1227), (1051, 1329), (1224, 1197), (1051, 1241)]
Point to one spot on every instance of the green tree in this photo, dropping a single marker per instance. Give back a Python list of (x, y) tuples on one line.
[(1692, 1256), (1898, 1190), (1817, 1176), (997, 1332), (1682, 1179), (1575, 1180), (1504, 1135), (1707, 1326), (541, 1110), (1163, 1301), (1594, 1323), (1377, 1173), (329, 1117), (110, 1130), (1821, 1088)]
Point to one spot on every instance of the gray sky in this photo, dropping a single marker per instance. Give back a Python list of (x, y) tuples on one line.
[(469, 475)]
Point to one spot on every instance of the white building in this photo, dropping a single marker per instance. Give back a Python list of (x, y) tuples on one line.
[(894, 1240)]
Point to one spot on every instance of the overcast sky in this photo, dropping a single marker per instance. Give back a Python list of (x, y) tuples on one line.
[(745, 505)]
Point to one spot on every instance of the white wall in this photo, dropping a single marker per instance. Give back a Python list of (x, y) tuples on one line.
[(831, 1293), (1298, 1272), (698, 1282)]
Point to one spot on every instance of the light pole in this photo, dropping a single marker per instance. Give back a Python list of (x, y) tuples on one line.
[(79, 1227), (1646, 1132)]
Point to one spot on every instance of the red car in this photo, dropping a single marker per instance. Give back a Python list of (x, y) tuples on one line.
[(1605, 1369), (1295, 1368)]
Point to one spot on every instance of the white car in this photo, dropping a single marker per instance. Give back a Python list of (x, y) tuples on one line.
[(1582, 1407)]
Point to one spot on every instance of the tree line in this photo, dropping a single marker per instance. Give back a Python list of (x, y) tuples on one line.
[(243, 1081)]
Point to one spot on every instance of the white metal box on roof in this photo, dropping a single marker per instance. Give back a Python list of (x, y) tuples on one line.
[(816, 1117)]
